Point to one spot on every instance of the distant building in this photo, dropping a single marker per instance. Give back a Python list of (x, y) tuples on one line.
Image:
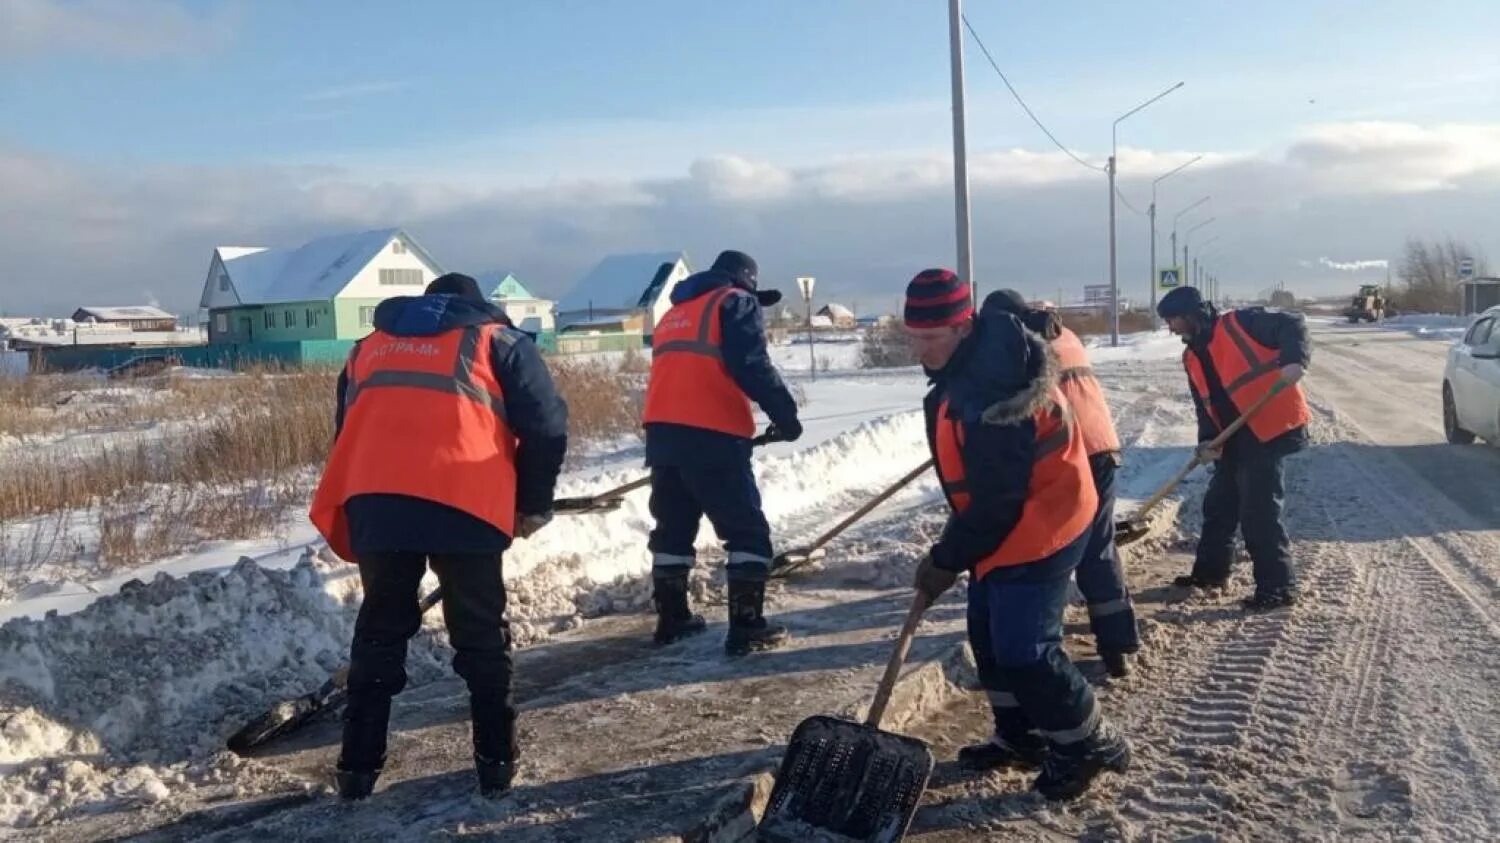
[(326, 289), (611, 333), (134, 317), (621, 286), (838, 316), (535, 316)]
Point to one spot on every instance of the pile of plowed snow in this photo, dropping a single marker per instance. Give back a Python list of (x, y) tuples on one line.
[(132, 698)]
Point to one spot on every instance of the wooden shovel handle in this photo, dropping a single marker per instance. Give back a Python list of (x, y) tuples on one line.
[(869, 505), (588, 501), (919, 605), (1216, 442)]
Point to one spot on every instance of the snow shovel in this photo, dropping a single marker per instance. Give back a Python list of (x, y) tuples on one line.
[(790, 561), (610, 500), (852, 779), (1134, 528), (289, 715)]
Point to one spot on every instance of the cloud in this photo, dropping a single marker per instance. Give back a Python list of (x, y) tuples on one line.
[(74, 233), (1352, 266), (354, 91), (126, 28), (1386, 157)]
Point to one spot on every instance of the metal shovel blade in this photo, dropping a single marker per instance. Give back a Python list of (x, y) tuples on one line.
[(791, 561), (288, 716), (1129, 531), (578, 506), (846, 779)]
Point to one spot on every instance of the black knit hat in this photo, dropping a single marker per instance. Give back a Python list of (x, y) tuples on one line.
[(1183, 301), (742, 269), (936, 298), (456, 284)]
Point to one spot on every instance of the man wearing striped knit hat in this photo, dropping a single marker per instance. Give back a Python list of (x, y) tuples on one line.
[(1014, 468)]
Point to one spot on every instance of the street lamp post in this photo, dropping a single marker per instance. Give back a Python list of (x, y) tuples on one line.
[(960, 151), (1114, 284), (1186, 236), (1156, 320), (1174, 229)]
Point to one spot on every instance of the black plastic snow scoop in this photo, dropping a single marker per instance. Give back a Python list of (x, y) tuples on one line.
[(610, 500), (791, 561), (851, 779), (1135, 527), (289, 715)]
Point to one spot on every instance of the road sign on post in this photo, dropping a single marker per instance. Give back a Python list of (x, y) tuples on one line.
[(1171, 278), (1466, 268), (805, 284)]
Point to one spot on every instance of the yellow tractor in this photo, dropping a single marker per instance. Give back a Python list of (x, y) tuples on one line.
[(1368, 304)]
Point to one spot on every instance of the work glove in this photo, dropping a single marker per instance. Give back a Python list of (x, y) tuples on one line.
[(1208, 452), (789, 430), (1291, 373), (932, 581), (527, 525)]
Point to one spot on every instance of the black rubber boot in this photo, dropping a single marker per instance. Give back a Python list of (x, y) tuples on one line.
[(748, 630), (1024, 751), (494, 722), (674, 618), (363, 754), (1280, 598), (1194, 581), (1118, 664), (1069, 769)]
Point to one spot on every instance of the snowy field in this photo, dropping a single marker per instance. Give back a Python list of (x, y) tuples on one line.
[(1353, 717)]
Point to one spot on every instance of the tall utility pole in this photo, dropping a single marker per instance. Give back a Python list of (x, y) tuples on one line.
[(960, 149), (1186, 237), (1114, 281), (1156, 320)]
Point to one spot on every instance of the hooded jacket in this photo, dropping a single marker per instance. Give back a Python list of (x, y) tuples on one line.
[(749, 364), (537, 417), (1283, 331), (995, 382)]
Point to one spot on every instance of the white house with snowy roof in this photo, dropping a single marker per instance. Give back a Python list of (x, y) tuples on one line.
[(621, 288), (326, 289)]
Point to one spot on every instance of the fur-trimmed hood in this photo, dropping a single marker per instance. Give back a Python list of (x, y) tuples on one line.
[(1002, 373)]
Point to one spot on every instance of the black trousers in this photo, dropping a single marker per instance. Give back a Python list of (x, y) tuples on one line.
[(474, 611)]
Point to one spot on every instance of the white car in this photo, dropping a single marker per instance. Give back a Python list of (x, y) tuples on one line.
[(1471, 383)]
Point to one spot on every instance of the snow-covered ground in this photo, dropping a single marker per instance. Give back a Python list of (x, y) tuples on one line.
[(1369, 712), (1431, 326)]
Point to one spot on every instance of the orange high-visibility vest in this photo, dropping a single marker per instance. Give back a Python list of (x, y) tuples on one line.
[(1081, 388), (424, 416), (1060, 499), (1247, 370), (690, 385)]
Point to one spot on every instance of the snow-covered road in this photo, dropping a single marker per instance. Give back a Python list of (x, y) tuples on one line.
[(1369, 712)]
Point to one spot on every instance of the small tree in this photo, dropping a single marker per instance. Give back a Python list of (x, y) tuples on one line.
[(1429, 275), (885, 347)]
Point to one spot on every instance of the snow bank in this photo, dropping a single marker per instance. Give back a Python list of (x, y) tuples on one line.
[(114, 700), (1145, 345), (161, 673), (1430, 325)]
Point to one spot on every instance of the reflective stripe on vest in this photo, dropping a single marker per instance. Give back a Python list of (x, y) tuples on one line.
[(690, 384), (1247, 370), (460, 382), (1085, 396), (451, 444), (1060, 498)]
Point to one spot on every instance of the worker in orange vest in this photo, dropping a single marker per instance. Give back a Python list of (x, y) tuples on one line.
[(1100, 576), (450, 438), (1233, 359), (709, 362), (1011, 459)]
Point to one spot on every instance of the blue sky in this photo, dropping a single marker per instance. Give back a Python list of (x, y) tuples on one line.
[(499, 96)]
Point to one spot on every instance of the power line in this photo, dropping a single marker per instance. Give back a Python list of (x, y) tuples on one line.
[(1022, 102), (1127, 204)]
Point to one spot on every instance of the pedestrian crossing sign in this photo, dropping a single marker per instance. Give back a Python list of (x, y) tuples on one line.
[(1171, 278)]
